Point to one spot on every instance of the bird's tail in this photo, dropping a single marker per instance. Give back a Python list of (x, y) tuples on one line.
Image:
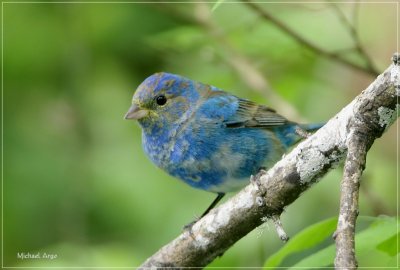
[(311, 127)]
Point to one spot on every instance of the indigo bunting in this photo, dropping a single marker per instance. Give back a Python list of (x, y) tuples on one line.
[(208, 138)]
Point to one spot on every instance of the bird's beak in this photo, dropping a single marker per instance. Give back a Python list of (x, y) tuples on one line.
[(135, 112)]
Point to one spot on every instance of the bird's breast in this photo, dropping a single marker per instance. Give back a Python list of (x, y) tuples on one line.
[(210, 157)]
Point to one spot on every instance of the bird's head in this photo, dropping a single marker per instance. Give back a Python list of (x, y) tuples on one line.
[(162, 99)]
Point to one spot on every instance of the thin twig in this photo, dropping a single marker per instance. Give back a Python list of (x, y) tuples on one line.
[(359, 48), (355, 14), (279, 228), (301, 40)]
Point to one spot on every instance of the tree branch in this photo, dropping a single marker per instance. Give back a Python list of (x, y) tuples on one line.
[(370, 113), (358, 145), (345, 232), (311, 46)]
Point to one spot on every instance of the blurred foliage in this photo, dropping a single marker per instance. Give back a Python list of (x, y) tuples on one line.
[(76, 181), (376, 245)]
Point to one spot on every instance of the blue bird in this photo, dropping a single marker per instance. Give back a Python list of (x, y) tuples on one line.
[(208, 138)]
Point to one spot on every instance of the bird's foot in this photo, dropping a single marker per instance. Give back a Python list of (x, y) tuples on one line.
[(188, 227), (302, 133), (256, 180)]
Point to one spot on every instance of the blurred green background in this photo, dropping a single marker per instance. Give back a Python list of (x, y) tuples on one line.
[(76, 181)]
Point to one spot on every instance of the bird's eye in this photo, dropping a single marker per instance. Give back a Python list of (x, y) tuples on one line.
[(161, 100)]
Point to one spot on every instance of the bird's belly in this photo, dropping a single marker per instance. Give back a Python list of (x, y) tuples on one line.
[(218, 163)]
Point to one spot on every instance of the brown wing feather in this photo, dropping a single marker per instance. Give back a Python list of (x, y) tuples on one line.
[(250, 114)]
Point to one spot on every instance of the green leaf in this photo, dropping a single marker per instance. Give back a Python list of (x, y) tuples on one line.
[(376, 244), (389, 246), (322, 258), (367, 242), (306, 239)]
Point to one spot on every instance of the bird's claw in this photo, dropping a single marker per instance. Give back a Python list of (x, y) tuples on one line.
[(256, 181), (302, 133)]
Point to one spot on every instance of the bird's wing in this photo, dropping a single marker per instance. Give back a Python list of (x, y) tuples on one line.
[(250, 114), (237, 112)]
